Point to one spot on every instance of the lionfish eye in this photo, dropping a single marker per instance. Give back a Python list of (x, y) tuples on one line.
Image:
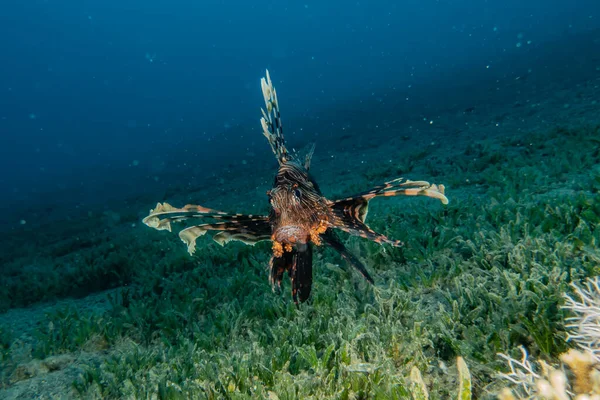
[(297, 193)]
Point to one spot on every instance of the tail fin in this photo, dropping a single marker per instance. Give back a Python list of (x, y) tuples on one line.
[(350, 213), (271, 120)]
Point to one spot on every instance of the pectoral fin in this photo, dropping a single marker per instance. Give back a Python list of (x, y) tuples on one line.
[(298, 264), (350, 213), (249, 229), (331, 239)]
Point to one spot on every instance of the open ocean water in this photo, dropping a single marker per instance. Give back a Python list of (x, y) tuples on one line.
[(108, 108)]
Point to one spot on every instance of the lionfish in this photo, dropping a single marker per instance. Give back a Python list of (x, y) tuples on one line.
[(300, 216)]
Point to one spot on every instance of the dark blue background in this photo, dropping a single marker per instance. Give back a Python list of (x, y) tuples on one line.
[(95, 94)]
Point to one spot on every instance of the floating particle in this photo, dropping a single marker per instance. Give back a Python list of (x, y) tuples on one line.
[(22, 222)]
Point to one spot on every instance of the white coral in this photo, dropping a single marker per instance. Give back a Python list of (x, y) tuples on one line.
[(531, 380), (585, 327), (522, 373)]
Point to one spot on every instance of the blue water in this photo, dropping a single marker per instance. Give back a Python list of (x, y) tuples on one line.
[(100, 100)]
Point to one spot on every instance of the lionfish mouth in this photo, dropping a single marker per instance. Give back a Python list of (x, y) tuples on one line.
[(286, 238), (291, 235)]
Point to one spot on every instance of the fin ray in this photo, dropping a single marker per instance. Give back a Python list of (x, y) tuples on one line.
[(350, 212), (271, 120), (161, 217), (249, 232), (404, 187)]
